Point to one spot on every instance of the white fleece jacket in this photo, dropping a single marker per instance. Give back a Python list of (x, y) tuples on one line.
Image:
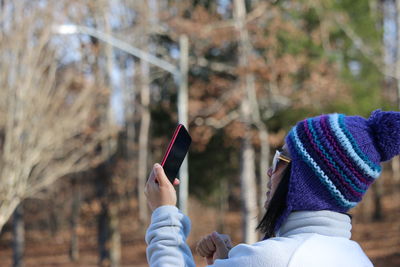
[(308, 238)]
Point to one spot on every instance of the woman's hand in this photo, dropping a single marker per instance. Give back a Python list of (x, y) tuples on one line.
[(159, 190), (214, 246)]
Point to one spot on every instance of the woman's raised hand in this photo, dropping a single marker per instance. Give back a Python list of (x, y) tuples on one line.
[(214, 246), (159, 190)]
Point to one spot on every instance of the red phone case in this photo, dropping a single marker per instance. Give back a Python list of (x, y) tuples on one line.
[(171, 143)]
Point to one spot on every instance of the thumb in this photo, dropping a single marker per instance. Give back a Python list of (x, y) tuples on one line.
[(160, 175)]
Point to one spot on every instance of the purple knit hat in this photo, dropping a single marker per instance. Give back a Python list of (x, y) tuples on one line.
[(335, 158)]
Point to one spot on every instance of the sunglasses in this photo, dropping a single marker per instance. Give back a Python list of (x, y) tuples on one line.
[(278, 158)]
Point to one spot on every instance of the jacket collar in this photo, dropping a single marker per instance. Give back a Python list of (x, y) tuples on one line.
[(322, 222)]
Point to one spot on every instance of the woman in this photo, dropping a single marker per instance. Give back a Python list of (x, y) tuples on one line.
[(324, 169)]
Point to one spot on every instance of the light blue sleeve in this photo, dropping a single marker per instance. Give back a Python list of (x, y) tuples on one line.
[(166, 238)]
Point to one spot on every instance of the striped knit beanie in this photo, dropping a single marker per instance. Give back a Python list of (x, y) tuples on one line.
[(335, 158)]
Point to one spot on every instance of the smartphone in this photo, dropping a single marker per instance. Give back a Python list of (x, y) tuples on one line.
[(176, 152)]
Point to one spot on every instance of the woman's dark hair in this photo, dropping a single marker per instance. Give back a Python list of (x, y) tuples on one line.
[(276, 206)]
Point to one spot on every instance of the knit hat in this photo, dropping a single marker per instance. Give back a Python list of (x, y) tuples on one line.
[(335, 158)]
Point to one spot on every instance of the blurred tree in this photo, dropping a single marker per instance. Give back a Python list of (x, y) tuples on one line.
[(109, 246), (48, 121), (74, 219), (18, 236), (144, 73), (247, 172)]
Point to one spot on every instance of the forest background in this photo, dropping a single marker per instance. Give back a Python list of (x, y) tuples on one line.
[(91, 92)]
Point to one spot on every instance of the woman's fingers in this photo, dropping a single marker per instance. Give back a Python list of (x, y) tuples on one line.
[(227, 240), (209, 244), (206, 247), (201, 250), (221, 247), (198, 249), (214, 246)]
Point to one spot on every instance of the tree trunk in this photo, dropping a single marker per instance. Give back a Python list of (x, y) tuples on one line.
[(143, 140), (223, 205), (395, 164), (105, 189), (102, 183), (103, 237), (74, 221), (377, 188), (108, 223), (183, 118), (129, 96), (248, 184), (264, 163), (367, 206), (55, 216), (7, 208), (18, 237), (145, 121), (109, 237), (115, 237), (248, 192), (263, 136)]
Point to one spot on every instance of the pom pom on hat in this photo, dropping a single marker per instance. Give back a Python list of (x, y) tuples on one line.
[(385, 126)]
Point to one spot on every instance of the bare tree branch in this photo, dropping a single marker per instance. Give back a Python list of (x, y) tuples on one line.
[(49, 116), (218, 124)]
